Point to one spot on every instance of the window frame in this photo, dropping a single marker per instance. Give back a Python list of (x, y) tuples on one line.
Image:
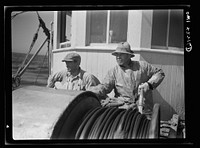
[(63, 25), (166, 46), (108, 37)]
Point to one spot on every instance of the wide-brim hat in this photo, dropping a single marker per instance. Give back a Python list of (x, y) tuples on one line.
[(71, 57), (123, 47)]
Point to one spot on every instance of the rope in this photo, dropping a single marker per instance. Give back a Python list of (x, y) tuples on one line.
[(113, 123), (41, 67)]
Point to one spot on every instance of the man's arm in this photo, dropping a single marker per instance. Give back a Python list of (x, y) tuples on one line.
[(106, 86), (90, 80), (55, 78), (156, 76)]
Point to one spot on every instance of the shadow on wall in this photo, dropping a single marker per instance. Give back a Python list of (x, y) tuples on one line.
[(166, 109)]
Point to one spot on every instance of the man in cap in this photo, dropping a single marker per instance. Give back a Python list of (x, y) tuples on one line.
[(128, 78), (73, 77)]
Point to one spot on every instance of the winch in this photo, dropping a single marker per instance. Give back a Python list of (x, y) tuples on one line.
[(46, 113)]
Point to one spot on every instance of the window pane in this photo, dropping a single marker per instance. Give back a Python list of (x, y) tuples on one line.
[(118, 25), (68, 25), (176, 29), (159, 29), (65, 28), (62, 26), (98, 26)]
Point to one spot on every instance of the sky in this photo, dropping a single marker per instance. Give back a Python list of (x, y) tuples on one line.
[(24, 27)]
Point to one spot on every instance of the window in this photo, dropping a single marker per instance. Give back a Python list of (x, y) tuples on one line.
[(107, 26), (167, 30), (65, 32)]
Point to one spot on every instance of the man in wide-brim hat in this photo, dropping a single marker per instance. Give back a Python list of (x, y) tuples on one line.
[(124, 47), (123, 54), (127, 79)]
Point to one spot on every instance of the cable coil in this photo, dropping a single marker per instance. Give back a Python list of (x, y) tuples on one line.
[(114, 123)]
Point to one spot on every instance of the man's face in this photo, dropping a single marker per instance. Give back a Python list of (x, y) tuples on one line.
[(72, 66), (123, 59)]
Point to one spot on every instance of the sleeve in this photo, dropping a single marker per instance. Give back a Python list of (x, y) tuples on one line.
[(55, 78), (106, 86), (91, 80), (155, 75)]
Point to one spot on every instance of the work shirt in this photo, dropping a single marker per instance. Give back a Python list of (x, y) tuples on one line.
[(82, 81), (125, 81)]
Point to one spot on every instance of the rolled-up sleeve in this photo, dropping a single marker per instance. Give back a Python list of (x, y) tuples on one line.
[(106, 86), (90, 80), (54, 78), (156, 75)]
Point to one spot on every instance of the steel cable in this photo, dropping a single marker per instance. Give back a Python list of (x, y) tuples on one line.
[(113, 123), (109, 123), (91, 121)]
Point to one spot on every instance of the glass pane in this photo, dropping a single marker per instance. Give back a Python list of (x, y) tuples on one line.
[(176, 38), (65, 28), (68, 25), (98, 26), (159, 29), (118, 26), (62, 26)]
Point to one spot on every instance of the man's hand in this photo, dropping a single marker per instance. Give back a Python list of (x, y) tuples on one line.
[(58, 85), (144, 87)]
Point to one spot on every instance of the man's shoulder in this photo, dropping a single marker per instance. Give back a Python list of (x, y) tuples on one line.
[(140, 63), (114, 69), (61, 72), (86, 74)]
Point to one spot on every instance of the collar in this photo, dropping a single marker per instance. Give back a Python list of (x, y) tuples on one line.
[(129, 66), (79, 75)]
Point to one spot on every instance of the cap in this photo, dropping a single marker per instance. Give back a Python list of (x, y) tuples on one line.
[(123, 47), (71, 57)]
